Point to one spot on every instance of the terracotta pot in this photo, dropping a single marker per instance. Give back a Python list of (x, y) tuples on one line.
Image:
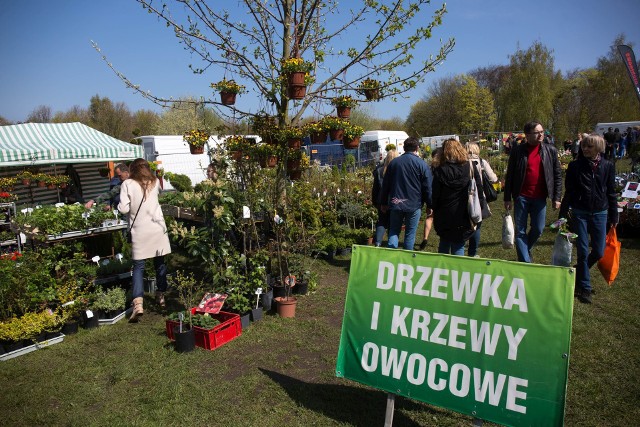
[(26, 182), (351, 143), (271, 161), (336, 134), (51, 186), (196, 150), (286, 306), (236, 155), (296, 79), (344, 112), (63, 185), (42, 184), (297, 92), (228, 98), (294, 143), (371, 94), (318, 138)]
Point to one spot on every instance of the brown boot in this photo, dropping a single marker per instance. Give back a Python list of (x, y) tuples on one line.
[(137, 310), (160, 299)]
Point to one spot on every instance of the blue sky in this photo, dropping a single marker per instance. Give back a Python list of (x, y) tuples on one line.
[(47, 58)]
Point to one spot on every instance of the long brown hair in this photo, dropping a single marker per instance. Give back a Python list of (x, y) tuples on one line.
[(141, 173), (453, 152)]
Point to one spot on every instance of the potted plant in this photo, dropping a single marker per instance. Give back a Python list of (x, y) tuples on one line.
[(297, 161), (7, 183), (267, 155), (344, 104), (110, 303), (370, 88), (296, 71), (26, 177), (196, 138), (317, 131), (228, 90), (292, 135), (335, 125), (236, 145), (351, 136), (189, 289), (264, 125)]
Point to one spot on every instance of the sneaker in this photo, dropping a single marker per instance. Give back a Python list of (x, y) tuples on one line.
[(423, 245), (585, 297)]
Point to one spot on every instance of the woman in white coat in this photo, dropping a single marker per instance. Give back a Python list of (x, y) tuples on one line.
[(139, 199)]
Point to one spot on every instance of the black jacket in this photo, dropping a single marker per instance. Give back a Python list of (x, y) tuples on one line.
[(518, 166), (450, 198), (591, 191), (376, 191)]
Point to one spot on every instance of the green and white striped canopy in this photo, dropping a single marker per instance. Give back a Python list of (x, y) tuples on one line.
[(50, 143)]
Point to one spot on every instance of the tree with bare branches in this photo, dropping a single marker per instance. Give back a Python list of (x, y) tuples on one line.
[(346, 43)]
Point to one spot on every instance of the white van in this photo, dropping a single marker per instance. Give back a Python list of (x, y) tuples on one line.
[(175, 157), (601, 128), (436, 141), (385, 137)]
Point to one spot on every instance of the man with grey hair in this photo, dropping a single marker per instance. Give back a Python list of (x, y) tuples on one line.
[(121, 172)]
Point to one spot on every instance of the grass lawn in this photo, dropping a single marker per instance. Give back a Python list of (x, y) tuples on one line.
[(280, 372)]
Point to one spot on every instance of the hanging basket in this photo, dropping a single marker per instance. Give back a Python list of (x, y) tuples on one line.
[(51, 187), (228, 98), (372, 94), (318, 138), (42, 184), (297, 92), (26, 182), (351, 143), (196, 150), (296, 78), (336, 134), (344, 112), (294, 143), (269, 161)]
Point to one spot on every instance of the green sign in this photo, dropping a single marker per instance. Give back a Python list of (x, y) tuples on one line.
[(486, 338)]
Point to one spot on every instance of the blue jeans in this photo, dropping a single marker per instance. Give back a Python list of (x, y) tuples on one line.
[(381, 226), (523, 208), (410, 221), (594, 225), (474, 241), (138, 273), (450, 247)]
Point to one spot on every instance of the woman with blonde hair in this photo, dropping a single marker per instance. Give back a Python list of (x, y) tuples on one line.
[(473, 149), (451, 178), (591, 195), (378, 177), (149, 239)]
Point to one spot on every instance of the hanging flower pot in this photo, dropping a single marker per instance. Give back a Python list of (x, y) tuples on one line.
[(228, 98), (51, 186), (296, 78), (272, 161), (294, 171), (351, 143), (196, 139), (26, 182), (294, 143), (297, 92), (193, 149), (371, 94), (228, 90), (63, 185), (42, 184), (236, 155), (336, 134), (344, 112), (318, 138)]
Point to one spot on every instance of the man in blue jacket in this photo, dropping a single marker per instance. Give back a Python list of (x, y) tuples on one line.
[(406, 186)]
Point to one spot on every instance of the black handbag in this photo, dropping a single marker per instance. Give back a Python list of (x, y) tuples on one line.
[(490, 193)]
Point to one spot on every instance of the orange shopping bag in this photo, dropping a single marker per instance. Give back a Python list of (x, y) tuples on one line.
[(610, 261)]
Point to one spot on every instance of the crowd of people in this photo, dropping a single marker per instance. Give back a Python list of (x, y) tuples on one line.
[(404, 184)]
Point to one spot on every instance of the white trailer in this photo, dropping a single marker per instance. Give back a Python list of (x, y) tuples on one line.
[(601, 128), (174, 155), (436, 141), (384, 138)]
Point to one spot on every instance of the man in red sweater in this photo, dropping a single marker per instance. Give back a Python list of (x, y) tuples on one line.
[(533, 174)]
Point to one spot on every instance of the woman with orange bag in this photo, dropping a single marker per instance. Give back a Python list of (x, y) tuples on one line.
[(591, 195)]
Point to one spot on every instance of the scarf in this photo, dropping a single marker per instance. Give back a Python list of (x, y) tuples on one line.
[(594, 163)]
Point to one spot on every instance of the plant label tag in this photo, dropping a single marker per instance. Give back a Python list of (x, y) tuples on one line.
[(258, 291), (89, 314), (246, 212)]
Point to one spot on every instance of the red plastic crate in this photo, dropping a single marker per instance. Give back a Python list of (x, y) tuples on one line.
[(229, 328)]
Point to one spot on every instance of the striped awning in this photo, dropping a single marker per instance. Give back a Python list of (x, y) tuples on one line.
[(50, 143)]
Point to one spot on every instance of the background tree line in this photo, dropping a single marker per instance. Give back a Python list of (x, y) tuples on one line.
[(505, 97), (493, 98)]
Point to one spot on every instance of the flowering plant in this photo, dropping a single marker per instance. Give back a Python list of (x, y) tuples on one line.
[(7, 197), (229, 86), (196, 137), (315, 127), (295, 65), (7, 183), (344, 101), (235, 143), (335, 123), (288, 132), (370, 84), (26, 175), (352, 131)]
